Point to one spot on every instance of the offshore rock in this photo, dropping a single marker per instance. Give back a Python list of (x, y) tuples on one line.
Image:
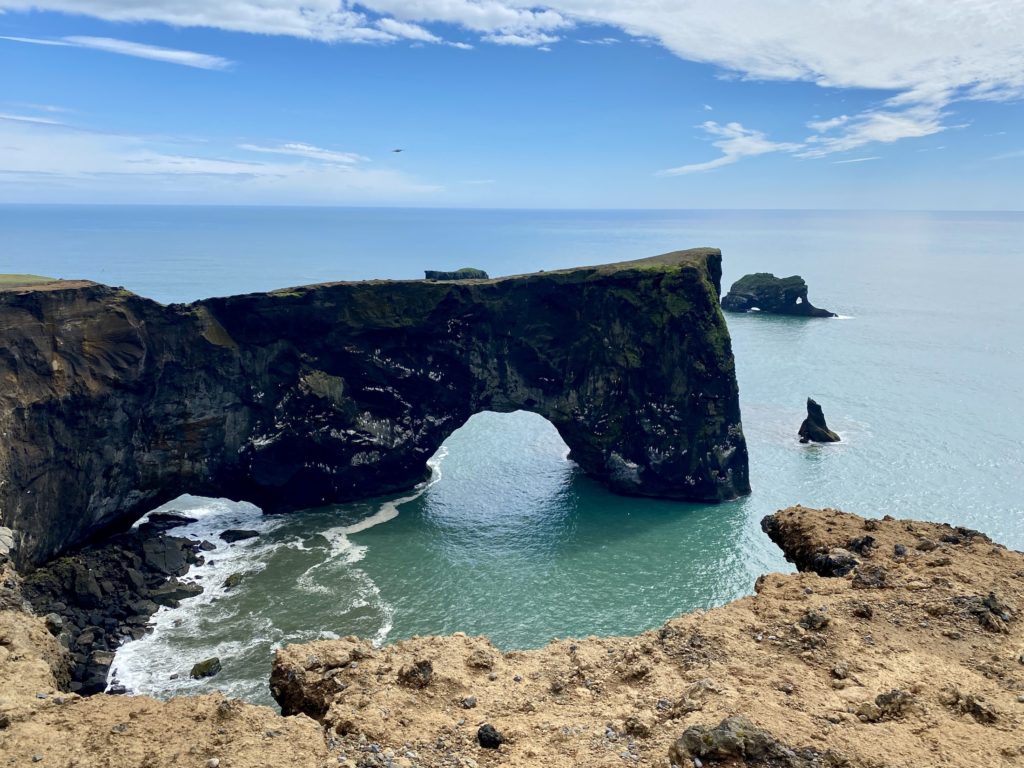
[(466, 273), (814, 429), (764, 292), (112, 404)]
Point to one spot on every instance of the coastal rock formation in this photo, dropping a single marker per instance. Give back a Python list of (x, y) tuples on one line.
[(112, 404), (813, 429), (106, 593), (764, 292), (913, 657)]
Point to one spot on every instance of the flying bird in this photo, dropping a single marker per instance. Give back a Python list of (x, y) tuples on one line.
[(398, 150)]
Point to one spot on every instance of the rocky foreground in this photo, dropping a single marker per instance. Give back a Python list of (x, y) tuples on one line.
[(898, 644)]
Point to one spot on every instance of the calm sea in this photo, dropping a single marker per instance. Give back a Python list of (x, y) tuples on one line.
[(922, 377)]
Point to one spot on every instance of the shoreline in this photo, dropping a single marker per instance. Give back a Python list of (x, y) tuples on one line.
[(907, 653)]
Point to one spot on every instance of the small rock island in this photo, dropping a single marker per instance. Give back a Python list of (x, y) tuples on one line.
[(814, 429), (764, 292)]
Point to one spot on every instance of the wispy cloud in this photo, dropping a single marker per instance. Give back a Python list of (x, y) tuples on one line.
[(66, 164), (298, 149), (856, 160), (884, 126), (28, 119), (524, 39), (735, 142), (129, 48)]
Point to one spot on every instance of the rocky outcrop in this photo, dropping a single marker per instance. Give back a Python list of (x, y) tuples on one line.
[(103, 595), (812, 671), (764, 292), (466, 273), (112, 404), (813, 429)]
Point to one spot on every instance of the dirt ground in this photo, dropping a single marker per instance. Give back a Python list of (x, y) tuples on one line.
[(906, 654)]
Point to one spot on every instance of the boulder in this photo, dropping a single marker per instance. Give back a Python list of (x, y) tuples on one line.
[(764, 292), (814, 429), (207, 668), (237, 534)]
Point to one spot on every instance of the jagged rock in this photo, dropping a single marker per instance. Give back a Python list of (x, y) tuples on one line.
[(764, 292), (738, 738), (113, 404), (890, 705), (160, 522), (207, 668), (416, 675), (233, 580), (173, 591), (466, 273), (168, 554), (238, 534), (814, 429)]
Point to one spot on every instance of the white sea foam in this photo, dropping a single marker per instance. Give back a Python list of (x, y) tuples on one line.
[(145, 666), (844, 317)]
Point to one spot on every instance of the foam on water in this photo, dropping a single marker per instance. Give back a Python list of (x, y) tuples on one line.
[(146, 666)]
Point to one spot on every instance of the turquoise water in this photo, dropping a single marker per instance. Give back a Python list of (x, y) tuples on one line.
[(922, 378)]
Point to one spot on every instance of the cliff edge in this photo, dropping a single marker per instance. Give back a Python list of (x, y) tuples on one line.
[(897, 645)]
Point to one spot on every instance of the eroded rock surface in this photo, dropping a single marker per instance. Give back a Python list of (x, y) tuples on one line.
[(812, 671), (112, 404), (764, 292)]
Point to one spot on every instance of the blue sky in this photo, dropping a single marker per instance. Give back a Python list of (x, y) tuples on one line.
[(497, 103)]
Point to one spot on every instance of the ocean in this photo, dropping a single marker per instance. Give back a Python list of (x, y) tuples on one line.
[(922, 376)]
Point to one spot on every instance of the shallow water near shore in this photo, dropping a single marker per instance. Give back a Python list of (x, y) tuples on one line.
[(923, 381)]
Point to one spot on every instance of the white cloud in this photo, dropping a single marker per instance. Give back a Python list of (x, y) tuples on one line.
[(821, 126), (408, 31), (28, 119), (882, 125), (525, 39), (856, 160), (129, 48), (926, 56), (309, 151), (60, 164), (735, 143)]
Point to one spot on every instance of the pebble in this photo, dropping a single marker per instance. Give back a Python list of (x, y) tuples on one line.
[(1020, 698), (213, 762), (36, 758)]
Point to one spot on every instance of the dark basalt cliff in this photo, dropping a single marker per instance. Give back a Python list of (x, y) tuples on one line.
[(111, 404)]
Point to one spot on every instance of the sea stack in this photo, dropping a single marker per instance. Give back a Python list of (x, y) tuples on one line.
[(764, 292), (814, 429)]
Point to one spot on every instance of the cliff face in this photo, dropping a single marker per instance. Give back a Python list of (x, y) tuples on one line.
[(112, 404)]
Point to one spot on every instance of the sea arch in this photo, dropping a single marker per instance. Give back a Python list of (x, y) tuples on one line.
[(333, 392)]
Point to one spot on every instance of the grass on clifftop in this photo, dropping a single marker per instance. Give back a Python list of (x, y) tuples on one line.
[(13, 281)]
